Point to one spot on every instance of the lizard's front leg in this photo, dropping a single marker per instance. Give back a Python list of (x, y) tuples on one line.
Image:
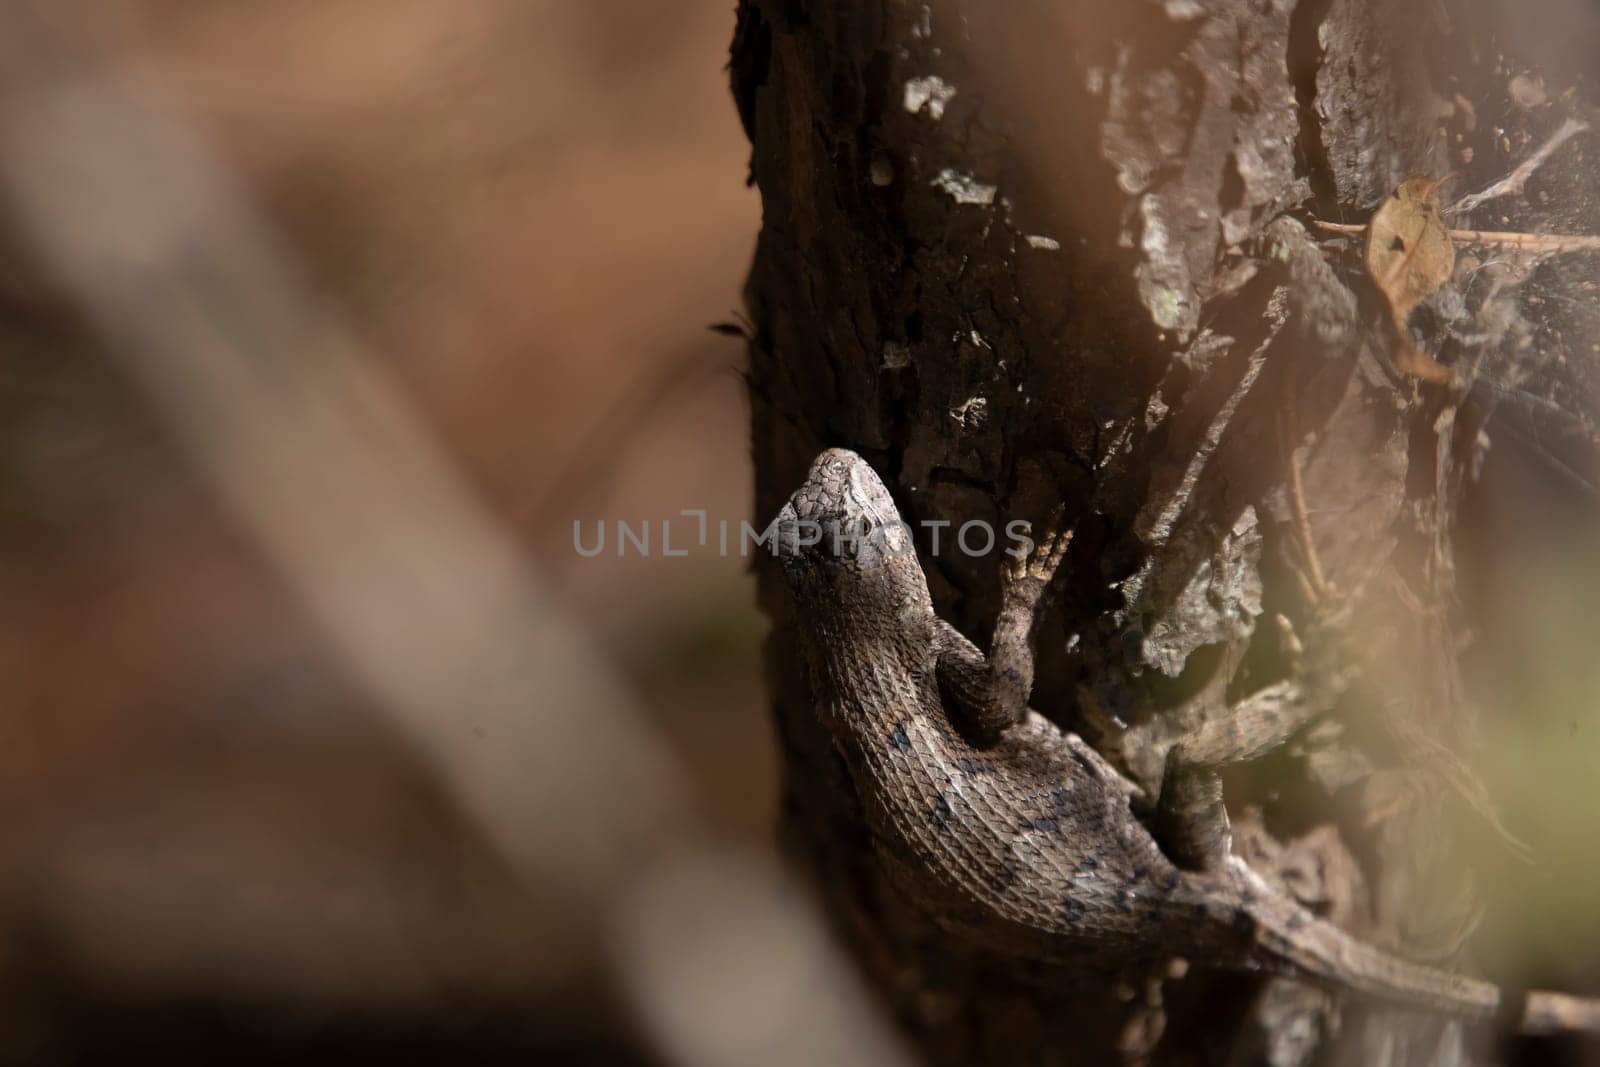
[(985, 696)]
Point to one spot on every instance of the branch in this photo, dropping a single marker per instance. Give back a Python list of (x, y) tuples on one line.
[(1512, 184), (1541, 243)]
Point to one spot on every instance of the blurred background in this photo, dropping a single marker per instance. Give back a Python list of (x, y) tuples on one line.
[(214, 837)]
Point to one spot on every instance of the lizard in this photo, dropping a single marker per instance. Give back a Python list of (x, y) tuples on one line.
[(1013, 832)]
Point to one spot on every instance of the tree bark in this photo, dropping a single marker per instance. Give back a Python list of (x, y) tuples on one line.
[(1080, 233)]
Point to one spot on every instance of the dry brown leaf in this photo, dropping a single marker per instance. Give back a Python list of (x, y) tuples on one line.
[(1409, 256)]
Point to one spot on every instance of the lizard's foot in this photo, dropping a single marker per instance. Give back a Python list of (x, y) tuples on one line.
[(1029, 572), (1191, 821), (1146, 1018)]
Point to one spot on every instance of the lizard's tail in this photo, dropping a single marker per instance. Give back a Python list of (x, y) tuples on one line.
[(1305, 946), (1308, 947)]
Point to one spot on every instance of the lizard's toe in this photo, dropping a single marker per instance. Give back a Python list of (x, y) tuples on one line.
[(1015, 566), (1048, 552)]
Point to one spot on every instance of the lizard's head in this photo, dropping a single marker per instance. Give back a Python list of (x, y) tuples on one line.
[(841, 538)]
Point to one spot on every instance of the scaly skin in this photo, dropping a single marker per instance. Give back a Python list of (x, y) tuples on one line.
[(1021, 836)]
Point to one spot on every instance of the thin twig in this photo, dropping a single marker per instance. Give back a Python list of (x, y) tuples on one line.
[(1529, 242), (1543, 243), (1512, 184), (1302, 521)]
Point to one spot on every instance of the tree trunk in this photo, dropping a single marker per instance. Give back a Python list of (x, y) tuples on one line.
[(1082, 233)]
